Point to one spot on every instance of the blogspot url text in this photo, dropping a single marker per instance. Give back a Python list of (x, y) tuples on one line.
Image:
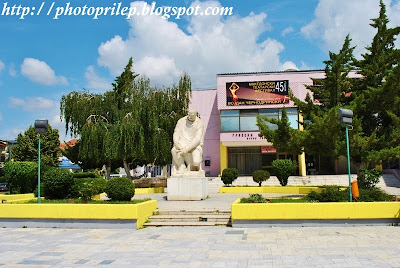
[(56, 11)]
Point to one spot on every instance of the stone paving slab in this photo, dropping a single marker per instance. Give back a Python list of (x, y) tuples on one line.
[(360, 246)]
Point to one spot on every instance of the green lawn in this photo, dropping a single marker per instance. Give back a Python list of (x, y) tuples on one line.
[(80, 201)]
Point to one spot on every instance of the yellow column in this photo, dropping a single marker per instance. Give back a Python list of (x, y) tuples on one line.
[(379, 166), (223, 157), (302, 157)]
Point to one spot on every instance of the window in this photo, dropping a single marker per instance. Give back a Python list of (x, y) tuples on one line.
[(230, 120), (246, 120)]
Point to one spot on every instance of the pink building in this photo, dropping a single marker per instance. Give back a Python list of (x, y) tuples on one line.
[(229, 113)]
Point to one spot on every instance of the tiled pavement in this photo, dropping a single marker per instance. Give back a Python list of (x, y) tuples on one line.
[(202, 247)]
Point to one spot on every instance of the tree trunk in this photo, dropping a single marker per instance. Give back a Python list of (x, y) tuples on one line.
[(165, 171), (108, 171), (127, 169)]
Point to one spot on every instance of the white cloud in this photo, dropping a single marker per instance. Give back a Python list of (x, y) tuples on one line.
[(96, 82), (335, 19), (39, 72), (212, 45), (289, 66), (12, 71), (32, 104), (2, 66), (287, 30)]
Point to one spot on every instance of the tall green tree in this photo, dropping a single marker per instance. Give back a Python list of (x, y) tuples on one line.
[(374, 99), (377, 94), (26, 148), (129, 125)]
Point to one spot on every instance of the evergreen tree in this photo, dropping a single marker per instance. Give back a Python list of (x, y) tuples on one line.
[(377, 94), (26, 148)]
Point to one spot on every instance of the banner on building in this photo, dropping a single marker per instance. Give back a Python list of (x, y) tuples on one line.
[(257, 93)]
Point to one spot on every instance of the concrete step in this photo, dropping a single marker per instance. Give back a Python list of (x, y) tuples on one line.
[(200, 223), (190, 218), (191, 212)]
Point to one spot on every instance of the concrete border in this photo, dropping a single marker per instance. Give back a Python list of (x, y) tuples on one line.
[(272, 189), (69, 213), (68, 223), (313, 223), (315, 213)]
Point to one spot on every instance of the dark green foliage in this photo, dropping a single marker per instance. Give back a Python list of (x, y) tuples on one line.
[(254, 198), (86, 175), (57, 183), (335, 194), (22, 177), (373, 195), (26, 148), (283, 168), (98, 183), (285, 139), (42, 187), (120, 189), (3, 179), (368, 178), (260, 175), (229, 175), (330, 194), (114, 126)]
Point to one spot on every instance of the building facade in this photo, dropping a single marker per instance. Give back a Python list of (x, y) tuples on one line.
[(230, 111)]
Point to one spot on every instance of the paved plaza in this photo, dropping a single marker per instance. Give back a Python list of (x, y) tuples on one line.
[(218, 246), (350, 246)]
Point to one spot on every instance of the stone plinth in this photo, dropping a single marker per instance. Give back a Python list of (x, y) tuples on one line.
[(187, 189)]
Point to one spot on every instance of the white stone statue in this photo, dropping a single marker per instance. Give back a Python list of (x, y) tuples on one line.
[(187, 153)]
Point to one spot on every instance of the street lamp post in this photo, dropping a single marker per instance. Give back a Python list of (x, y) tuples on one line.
[(346, 118), (40, 127)]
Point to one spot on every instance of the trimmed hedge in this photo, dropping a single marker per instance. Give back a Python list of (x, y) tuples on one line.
[(57, 183), (229, 175), (260, 175), (22, 177), (86, 175), (283, 168), (120, 189)]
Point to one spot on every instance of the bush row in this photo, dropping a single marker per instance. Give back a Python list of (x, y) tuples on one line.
[(58, 183), (283, 168)]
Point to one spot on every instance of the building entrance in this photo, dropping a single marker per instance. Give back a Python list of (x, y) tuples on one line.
[(245, 159)]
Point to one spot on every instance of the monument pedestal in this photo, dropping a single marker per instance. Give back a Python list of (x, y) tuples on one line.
[(187, 189)]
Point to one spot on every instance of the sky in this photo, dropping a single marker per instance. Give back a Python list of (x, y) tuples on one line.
[(42, 58)]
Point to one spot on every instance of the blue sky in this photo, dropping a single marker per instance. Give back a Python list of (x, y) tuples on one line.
[(42, 59)]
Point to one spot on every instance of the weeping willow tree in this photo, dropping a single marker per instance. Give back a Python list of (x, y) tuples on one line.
[(130, 125)]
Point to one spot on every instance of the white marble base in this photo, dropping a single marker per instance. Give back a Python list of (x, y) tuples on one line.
[(187, 189)]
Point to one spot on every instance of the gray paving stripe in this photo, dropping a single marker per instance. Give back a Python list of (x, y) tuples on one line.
[(81, 261), (105, 262), (235, 232), (154, 236)]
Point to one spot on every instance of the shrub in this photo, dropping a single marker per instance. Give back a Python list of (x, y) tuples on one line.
[(86, 175), (120, 189), (374, 194), (368, 178), (260, 175), (335, 194), (21, 176), (254, 198), (57, 183), (98, 183), (229, 175), (87, 190), (283, 168), (330, 194)]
